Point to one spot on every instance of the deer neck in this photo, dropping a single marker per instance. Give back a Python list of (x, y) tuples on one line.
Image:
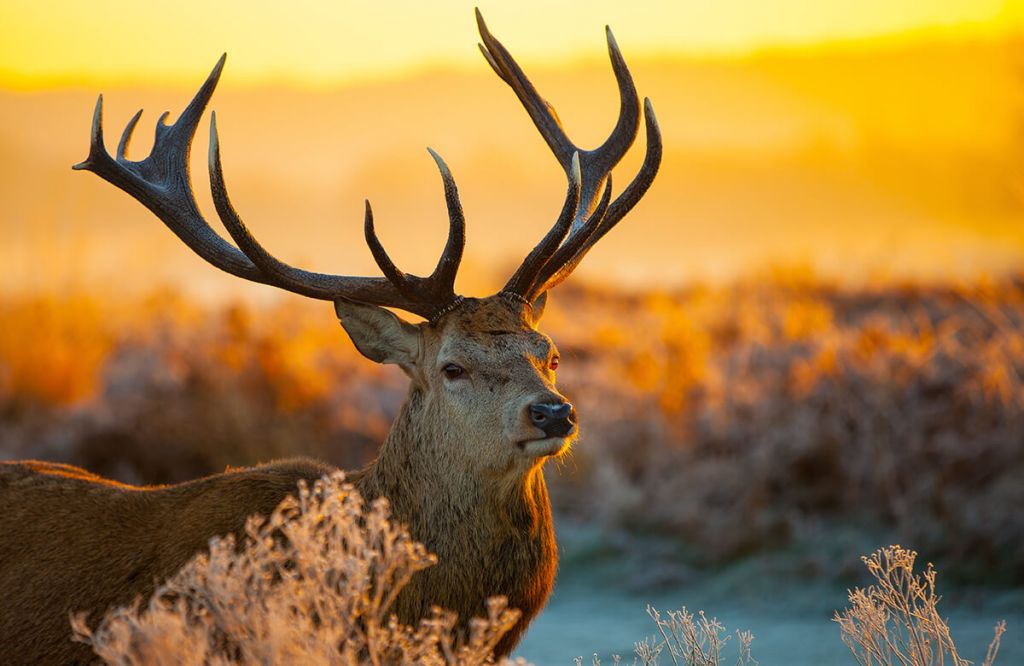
[(492, 531), (429, 484)]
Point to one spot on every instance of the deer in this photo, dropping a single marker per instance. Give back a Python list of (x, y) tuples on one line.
[(462, 464)]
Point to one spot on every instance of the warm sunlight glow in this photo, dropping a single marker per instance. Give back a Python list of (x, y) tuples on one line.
[(68, 42), (858, 138)]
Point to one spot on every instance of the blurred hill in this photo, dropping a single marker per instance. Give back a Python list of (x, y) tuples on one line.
[(857, 159)]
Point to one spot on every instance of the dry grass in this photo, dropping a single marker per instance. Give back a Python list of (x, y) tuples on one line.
[(896, 621), (692, 641), (311, 584), (686, 639)]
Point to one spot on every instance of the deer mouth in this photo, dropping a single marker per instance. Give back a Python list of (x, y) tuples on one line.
[(545, 446)]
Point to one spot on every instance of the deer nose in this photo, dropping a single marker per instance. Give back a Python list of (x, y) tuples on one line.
[(556, 419)]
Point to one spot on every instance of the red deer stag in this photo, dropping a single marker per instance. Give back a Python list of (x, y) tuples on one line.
[(462, 463)]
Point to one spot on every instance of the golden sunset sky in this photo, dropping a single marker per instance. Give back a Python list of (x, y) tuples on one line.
[(70, 42), (854, 137)]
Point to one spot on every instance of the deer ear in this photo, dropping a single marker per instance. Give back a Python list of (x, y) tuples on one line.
[(537, 307), (379, 334)]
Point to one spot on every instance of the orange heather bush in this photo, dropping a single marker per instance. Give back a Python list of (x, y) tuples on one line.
[(896, 621), (311, 584), (751, 417), (734, 419), (52, 350)]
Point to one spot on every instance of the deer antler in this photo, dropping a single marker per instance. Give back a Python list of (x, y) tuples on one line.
[(587, 170), (162, 182)]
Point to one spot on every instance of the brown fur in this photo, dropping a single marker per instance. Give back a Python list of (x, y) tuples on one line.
[(461, 467)]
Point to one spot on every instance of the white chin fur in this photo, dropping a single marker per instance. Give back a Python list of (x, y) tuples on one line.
[(551, 446)]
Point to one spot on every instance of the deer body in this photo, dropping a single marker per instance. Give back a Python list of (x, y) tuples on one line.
[(118, 543), (462, 464)]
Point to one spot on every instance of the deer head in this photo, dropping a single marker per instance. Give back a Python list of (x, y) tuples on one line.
[(486, 373)]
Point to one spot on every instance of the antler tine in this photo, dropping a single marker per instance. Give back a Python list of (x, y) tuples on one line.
[(621, 138), (395, 290), (523, 279), (394, 274), (568, 250), (541, 112), (423, 296), (595, 164), (126, 137), (443, 277), (571, 253), (439, 287)]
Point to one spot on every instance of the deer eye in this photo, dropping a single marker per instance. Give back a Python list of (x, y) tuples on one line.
[(553, 363), (452, 371)]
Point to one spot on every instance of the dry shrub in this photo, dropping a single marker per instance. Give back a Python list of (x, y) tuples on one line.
[(896, 621), (687, 640), (692, 640), (312, 584)]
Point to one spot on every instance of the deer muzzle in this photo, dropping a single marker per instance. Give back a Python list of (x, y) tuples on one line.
[(555, 419)]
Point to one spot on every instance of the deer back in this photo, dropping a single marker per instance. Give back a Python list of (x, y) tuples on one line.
[(73, 541)]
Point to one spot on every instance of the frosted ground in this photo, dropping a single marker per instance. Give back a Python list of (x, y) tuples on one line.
[(595, 609)]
